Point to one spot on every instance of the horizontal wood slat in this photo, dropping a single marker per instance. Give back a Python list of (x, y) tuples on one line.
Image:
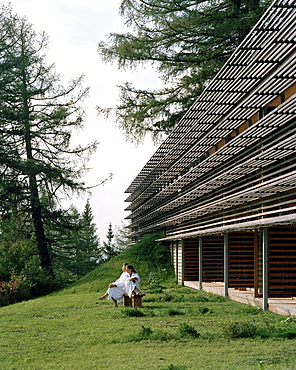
[(241, 260), (282, 261), (191, 259), (213, 258)]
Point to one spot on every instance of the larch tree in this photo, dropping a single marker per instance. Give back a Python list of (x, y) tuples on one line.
[(37, 118), (187, 42)]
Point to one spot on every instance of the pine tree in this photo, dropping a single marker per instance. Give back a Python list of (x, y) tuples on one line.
[(74, 242), (121, 237), (187, 42), (89, 240), (109, 249)]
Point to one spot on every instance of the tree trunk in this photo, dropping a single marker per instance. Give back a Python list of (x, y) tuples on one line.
[(45, 259), (44, 256)]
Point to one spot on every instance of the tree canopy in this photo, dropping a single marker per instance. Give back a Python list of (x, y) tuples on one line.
[(187, 42), (38, 163)]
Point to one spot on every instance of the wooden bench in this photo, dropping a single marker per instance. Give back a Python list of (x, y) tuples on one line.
[(134, 301)]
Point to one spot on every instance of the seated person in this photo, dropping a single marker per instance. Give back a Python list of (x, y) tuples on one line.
[(132, 286), (116, 290)]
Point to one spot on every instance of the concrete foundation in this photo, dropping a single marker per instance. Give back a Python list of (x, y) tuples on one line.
[(281, 306)]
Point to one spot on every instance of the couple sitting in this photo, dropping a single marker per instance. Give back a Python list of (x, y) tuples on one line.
[(127, 283)]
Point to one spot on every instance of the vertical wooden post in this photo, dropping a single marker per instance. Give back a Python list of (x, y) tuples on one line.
[(177, 262), (265, 268), (200, 263), (182, 262), (256, 264), (226, 248)]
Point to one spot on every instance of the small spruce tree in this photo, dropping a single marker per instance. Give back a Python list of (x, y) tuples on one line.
[(109, 249)]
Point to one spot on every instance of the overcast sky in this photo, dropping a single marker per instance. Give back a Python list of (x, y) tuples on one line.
[(74, 28)]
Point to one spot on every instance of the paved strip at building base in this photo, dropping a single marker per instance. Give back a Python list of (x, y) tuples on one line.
[(281, 306)]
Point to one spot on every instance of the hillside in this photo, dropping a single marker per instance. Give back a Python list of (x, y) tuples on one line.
[(151, 260)]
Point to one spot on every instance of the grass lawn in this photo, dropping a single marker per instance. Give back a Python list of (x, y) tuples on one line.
[(177, 328)]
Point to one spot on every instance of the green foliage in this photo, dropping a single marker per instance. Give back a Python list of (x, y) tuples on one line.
[(15, 290), (240, 329), (252, 310), (153, 259), (147, 333), (144, 334), (74, 243), (21, 277), (204, 310), (74, 247), (17, 271), (38, 163), (187, 42), (286, 329), (133, 312), (167, 297), (186, 330), (121, 237), (109, 250), (173, 312)]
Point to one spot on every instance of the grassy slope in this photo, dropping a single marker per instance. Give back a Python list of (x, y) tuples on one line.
[(73, 330)]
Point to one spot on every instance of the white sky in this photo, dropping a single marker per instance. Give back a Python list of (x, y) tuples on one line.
[(74, 28)]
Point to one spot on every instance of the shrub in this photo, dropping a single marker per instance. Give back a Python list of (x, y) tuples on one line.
[(133, 312), (239, 329), (166, 297), (275, 332), (204, 310), (252, 310), (17, 289), (144, 334), (146, 331), (186, 330), (173, 312), (288, 333)]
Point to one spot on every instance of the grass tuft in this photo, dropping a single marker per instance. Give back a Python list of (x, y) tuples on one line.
[(133, 312), (240, 329), (173, 312), (186, 330)]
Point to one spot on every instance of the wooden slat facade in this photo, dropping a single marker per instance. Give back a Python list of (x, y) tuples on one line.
[(282, 261), (191, 272), (213, 257), (229, 169), (241, 260)]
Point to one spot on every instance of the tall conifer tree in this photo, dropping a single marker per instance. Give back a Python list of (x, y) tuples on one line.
[(37, 118), (187, 42), (109, 249)]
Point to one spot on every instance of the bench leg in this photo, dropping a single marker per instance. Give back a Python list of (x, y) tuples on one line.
[(127, 301), (137, 301)]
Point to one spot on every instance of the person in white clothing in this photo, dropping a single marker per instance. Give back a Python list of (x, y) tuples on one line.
[(116, 290), (132, 285)]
